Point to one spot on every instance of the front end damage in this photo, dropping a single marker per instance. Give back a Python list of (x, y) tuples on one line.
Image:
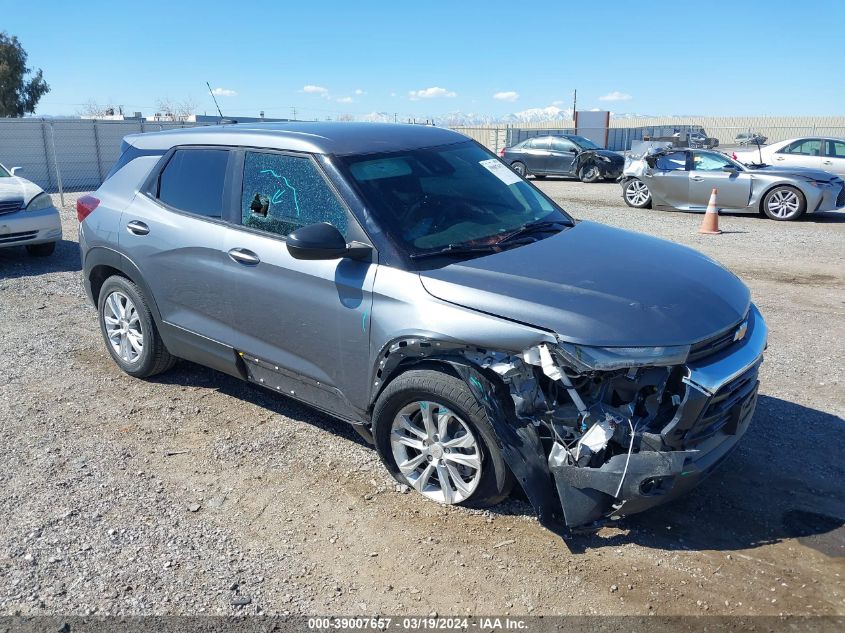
[(593, 435)]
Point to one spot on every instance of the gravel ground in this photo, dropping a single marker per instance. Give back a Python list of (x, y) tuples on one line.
[(196, 493)]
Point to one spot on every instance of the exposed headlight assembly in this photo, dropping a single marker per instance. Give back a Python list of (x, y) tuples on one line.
[(586, 358), (39, 202), (604, 158)]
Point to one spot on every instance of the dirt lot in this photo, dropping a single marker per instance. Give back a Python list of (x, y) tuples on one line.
[(195, 493)]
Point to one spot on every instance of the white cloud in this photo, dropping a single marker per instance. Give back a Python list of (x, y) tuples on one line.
[(359, 92), (616, 96), (224, 92), (315, 90), (430, 93), (509, 95), (344, 99), (392, 94)]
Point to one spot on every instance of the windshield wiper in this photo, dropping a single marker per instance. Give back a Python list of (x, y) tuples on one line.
[(537, 226), (457, 249)]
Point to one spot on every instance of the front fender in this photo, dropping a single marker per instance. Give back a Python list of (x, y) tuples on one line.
[(517, 438)]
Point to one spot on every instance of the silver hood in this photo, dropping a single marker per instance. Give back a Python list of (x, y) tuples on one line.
[(806, 172), (598, 285)]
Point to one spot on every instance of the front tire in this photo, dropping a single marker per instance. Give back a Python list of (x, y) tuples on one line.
[(430, 429), (637, 194), (520, 168), (129, 331), (41, 250), (784, 204), (589, 173)]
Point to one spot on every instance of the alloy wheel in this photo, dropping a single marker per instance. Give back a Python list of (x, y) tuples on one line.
[(123, 327), (637, 193), (783, 203), (436, 451)]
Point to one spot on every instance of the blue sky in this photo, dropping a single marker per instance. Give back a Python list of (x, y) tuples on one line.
[(428, 58)]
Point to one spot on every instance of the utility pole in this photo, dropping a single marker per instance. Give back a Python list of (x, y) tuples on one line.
[(574, 103), (395, 117), (293, 113)]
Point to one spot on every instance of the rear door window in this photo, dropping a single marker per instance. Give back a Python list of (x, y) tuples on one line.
[(836, 149), (539, 143), (282, 193), (671, 161), (193, 180)]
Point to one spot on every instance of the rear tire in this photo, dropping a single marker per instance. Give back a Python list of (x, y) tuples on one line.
[(784, 204), (41, 250), (520, 168), (438, 391), (636, 194), (129, 331)]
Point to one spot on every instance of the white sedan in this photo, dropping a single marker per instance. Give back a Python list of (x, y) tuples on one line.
[(27, 215), (816, 152)]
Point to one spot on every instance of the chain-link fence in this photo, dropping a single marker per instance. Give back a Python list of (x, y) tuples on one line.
[(68, 155)]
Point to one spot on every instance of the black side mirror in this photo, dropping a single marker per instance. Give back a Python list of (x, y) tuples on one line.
[(730, 169), (323, 241)]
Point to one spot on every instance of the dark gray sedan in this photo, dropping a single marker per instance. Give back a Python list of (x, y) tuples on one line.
[(564, 155)]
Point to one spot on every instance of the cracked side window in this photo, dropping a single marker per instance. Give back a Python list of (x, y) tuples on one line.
[(283, 193)]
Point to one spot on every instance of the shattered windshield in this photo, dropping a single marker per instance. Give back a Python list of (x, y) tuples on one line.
[(448, 196)]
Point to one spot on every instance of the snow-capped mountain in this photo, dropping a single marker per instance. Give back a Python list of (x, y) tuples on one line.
[(459, 118)]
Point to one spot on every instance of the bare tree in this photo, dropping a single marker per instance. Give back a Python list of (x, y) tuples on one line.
[(168, 109), (93, 110), (345, 117)]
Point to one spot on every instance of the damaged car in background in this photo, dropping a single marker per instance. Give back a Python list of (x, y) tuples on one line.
[(403, 279), (661, 176), (563, 155)]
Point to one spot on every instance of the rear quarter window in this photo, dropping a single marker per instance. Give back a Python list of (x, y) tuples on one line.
[(130, 153)]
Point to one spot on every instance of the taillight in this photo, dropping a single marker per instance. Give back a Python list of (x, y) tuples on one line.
[(84, 206), (502, 152)]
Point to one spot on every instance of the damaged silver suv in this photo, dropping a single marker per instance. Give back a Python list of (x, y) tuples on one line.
[(403, 279)]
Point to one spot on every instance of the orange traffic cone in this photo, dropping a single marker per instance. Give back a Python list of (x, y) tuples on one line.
[(710, 223)]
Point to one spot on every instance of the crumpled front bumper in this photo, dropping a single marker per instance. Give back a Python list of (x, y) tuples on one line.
[(721, 395)]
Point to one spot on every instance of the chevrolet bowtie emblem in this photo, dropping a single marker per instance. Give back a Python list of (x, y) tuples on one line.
[(740, 331)]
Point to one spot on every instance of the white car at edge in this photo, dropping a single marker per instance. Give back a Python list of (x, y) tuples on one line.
[(27, 215), (816, 152)]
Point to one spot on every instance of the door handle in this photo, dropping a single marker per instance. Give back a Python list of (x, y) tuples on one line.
[(697, 178), (244, 256), (137, 228), (827, 162)]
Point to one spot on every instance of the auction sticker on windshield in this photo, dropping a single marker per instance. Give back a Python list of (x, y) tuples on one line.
[(498, 169)]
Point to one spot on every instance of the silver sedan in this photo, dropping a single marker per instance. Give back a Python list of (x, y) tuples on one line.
[(27, 215), (683, 179)]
